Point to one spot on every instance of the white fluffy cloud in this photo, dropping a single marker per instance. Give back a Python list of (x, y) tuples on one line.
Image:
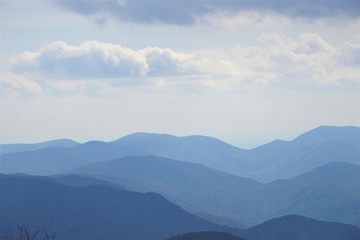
[(94, 59), (310, 59), (89, 60), (306, 60), (10, 82)]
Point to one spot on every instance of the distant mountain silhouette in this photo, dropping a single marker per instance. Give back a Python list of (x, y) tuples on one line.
[(322, 145), (209, 151), (316, 175), (206, 236), (323, 134), (290, 227), (275, 160), (348, 134), (50, 160), (329, 192), (300, 228), (193, 186), (56, 160), (95, 151), (22, 147), (91, 212)]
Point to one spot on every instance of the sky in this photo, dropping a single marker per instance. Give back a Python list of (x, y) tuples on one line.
[(247, 72)]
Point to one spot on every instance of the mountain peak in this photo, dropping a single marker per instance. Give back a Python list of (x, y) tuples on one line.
[(141, 136), (349, 134), (191, 139)]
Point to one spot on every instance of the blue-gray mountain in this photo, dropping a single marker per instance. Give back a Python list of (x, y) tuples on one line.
[(284, 228), (323, 191), (58, 159), (275, 160), (330, 192), (102, 212), (285, 159), (301, 228), (91, 212), (210, 235), (22, 147)]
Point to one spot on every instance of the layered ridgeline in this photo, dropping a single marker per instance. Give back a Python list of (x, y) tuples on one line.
[(286, 159), (322, 180), (22, 147), (275, 160), (90, 211), (56, 159), (301, 228), (284, 228), (206, 236), (74, 207), (330, 192)]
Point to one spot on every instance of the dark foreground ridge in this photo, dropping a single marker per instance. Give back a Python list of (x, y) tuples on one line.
[(103, 212), (301, 228), (91, 212), (206, 236), (291, 227)]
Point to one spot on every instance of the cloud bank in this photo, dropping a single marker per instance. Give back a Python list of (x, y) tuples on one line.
[(185, 12), (94, 59), (307, 60)]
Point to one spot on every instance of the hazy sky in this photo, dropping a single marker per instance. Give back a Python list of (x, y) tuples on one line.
[(244, 71)]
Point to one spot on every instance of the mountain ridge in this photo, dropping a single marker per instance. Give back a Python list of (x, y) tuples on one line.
[(275, 160), (103, 212), (91, 212), (297, 227), (21, 147), (192, 186), (287, 227)]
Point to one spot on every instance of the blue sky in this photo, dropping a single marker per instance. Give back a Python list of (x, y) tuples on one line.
[(247, 72)]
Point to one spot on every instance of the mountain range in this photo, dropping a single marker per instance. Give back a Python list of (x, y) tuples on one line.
[(97, 211), (286, 159), (23, 147), (330, 192), (316, 175), (275, 160), (91, 212), (283, 228), (211, 235), (300, 228)]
